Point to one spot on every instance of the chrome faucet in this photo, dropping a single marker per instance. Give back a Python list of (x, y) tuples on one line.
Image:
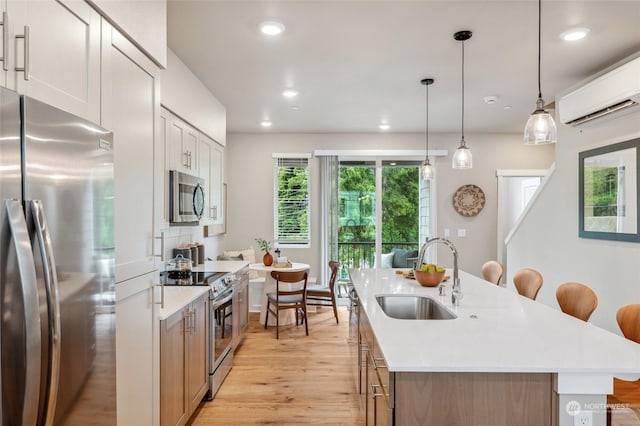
[(456, 294)]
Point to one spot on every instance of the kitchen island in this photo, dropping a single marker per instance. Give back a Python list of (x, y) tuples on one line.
[(503, 360)]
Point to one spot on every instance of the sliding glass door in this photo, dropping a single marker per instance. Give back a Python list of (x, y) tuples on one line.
[(384, 207)]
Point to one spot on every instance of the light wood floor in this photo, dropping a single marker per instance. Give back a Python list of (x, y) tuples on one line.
[(295, 380)]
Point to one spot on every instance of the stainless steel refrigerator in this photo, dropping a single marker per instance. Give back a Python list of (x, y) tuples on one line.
[(57, 280)]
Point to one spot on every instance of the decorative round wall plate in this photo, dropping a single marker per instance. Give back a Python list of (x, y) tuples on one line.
[(468, 200)]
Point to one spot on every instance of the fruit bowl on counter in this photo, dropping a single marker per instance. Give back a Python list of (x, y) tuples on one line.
[(429, 275)]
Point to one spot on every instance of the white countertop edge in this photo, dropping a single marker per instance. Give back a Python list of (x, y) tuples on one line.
[(177, 297)]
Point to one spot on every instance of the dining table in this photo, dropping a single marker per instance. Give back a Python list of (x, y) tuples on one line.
[(287, 316)]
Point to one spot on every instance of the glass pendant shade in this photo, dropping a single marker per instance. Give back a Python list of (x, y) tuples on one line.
[(540, 128), (462, 158), (427, 170)]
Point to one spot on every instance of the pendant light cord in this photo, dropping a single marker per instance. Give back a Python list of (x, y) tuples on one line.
[(539, 43), (427, 129), (463, 90)]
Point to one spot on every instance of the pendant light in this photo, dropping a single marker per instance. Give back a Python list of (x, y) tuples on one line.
[(540, 128), (462, 156), (427, 169)]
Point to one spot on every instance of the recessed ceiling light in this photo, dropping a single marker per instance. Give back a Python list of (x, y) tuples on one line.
[(265, 123), (295, 107), (271, 28), (574, 34), (384, 126), (290, 93), (507, 107)]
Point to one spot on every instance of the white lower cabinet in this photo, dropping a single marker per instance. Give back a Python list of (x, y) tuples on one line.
[(183, 362), (136, 338)]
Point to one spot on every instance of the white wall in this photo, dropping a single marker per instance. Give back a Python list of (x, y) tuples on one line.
[(548, 238), (249, 170)]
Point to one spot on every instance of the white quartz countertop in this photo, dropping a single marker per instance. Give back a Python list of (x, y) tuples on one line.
[(232, 266), (511, 333), (177, 297)]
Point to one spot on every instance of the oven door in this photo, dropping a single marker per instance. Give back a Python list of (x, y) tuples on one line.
[(222, 326), (186, 198)]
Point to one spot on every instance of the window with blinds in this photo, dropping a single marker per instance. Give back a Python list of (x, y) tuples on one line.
[(291, 212)]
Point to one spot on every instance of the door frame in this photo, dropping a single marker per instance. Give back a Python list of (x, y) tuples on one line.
[(501, 233)]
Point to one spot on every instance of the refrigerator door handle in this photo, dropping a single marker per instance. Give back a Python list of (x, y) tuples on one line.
[(53, 301), (27, 271)]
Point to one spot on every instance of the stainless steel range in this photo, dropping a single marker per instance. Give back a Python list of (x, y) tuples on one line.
[(220, 320)]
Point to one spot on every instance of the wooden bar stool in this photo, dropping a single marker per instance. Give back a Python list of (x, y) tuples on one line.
[(492, 271), (528, 282), (625, 392), (577, 300)]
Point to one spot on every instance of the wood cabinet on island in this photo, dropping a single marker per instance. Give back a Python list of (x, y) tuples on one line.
[(503, 360)]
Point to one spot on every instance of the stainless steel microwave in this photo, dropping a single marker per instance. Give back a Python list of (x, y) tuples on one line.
[(186, 198)]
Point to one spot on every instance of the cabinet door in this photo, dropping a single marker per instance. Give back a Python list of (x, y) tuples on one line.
[(5, 45), (240, 308), (135, 343), (57, 43), (131, 110), (217, 199), (130, 105), (173, 399), (196, 365), (205, 151), (184, 143), (210, 159), (162, 148)]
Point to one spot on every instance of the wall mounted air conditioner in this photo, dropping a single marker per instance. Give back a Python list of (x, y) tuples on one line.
[(613, 92)]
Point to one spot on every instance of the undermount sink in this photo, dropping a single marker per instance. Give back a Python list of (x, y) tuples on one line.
[(413, 308)]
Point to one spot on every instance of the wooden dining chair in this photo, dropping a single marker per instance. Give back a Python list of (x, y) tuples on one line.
[(288, 297), (577, 300), (528, 282), (626, 393), (319, 295), (492, 271)]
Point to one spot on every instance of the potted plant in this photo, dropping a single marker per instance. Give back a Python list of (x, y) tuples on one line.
[(265, 246)]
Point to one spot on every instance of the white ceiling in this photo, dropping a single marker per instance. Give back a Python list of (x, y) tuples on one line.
[(357, 63)]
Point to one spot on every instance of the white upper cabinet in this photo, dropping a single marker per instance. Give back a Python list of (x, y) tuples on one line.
[(53, 54), (131, 110), (210, 156), (183, 145)]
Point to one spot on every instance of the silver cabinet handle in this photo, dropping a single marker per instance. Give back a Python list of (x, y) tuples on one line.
[(27, 271), (37, 215), (161, 302), (193, 322), (5, 40), (161, 255), (25, 69)]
